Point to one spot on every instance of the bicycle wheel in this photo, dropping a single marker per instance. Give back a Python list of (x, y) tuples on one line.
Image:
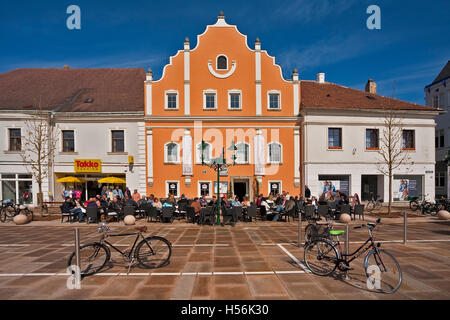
[(93, 257), (414, 205), (3, 215), (370, 206), (310, 232), (153, 252), (28, 213), (391, 274), (377, 205), (321, 257)]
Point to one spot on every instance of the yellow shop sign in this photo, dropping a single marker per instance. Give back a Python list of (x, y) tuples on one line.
[(87, 165)]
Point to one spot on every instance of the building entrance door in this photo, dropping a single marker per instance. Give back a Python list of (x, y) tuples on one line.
[(369, 186), (240, 190)]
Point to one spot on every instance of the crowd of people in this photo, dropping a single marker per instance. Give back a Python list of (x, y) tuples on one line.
[(274, 206)]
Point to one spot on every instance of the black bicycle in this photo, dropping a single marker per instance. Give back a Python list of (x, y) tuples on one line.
[(374, 203), (322, 256), (151, 252), (9, 210)]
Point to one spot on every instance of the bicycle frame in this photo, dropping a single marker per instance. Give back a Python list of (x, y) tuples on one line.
[(103, 240)]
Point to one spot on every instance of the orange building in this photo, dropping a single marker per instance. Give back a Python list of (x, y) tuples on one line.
[(222, 91)]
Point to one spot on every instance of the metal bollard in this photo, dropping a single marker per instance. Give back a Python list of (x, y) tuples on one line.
[(300, 229), (405, 222), (77, 246), (346, 238)]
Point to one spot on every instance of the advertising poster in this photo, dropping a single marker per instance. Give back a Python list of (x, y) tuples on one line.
[(223, 188), (403, 188)]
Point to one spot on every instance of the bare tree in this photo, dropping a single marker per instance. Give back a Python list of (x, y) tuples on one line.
[(391, 150), (38, 146)]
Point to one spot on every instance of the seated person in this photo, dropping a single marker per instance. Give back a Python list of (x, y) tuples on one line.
[(157, 204), (213, 201), (142, 201), (203, 201), (115, 206), (236, 202), (197, 207)]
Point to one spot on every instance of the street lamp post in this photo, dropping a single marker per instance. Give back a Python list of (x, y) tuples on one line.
[(217, 164)]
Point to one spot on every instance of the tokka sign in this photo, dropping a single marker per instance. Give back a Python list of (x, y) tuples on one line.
[(87, 165)]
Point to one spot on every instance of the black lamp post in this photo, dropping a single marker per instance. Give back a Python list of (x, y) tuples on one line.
[(217, 164)]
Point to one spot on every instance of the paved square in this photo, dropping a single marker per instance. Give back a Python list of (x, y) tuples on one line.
[(249, 261)]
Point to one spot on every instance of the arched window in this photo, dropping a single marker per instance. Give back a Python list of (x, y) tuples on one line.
[(275, 152), (206, 152), (242, 153), (171, 152), (222, 63)]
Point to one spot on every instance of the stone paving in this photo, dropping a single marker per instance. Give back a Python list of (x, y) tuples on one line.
[(249, 261)]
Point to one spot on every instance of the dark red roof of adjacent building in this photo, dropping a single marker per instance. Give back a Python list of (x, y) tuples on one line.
[(332, 96), (73, 90)]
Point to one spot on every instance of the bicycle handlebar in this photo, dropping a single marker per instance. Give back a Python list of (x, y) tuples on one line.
[(370, 224)]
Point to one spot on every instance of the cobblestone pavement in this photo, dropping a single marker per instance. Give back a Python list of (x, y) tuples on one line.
[(249, 261)]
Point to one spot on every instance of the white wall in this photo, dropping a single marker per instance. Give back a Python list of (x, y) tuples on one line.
[(92, 141), (353, 159)]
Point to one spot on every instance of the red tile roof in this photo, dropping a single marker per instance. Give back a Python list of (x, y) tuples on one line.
[(333, 96), (68, 90)]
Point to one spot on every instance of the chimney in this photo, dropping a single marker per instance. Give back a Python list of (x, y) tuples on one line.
[(257, 44), (371, 87), (320, 77), (186, 44), (66, 67)]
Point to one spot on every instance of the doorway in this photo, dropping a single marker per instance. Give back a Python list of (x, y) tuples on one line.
[(369, 186), (240, 188)]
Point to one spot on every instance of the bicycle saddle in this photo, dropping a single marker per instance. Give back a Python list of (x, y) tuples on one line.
[(141, 229), (336, 232)]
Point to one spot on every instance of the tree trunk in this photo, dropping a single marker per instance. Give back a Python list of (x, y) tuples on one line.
[(40, 199), (390, 192)]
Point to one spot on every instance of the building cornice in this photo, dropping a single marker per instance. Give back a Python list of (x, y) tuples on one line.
[(221, 119)]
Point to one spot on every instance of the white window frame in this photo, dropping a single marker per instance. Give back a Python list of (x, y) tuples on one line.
[(234, 91), (198, 155), (75, 140), (275, 181), (249, 153), (210, 188), (217, 61), (269, 92), (269, 160), (166, 99), (167, 187), (209, 91), (166, 155)]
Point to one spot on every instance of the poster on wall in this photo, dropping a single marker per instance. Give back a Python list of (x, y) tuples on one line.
[(403, 188), (223, 188), (333, 183)]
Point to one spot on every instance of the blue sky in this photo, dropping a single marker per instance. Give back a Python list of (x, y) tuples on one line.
[(314, 36)]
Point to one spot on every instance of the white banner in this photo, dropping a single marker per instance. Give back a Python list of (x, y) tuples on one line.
[(187, 155), (259, 155)]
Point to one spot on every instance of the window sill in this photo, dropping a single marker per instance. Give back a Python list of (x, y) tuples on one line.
[(234, 109), (68, 153), (209, 109), (171, 109), (11, 152), (335, 149), (274, 163), (372, 149), (409, 149), (172, 162), (278, 109), (116, 153)]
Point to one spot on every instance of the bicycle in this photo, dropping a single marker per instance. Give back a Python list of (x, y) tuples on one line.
[(322, 256), (151, 252), (9, 210), (374, 203)]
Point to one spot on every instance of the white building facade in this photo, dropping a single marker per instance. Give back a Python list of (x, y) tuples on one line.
[(437, 95), (83, 137), (341, 133)]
